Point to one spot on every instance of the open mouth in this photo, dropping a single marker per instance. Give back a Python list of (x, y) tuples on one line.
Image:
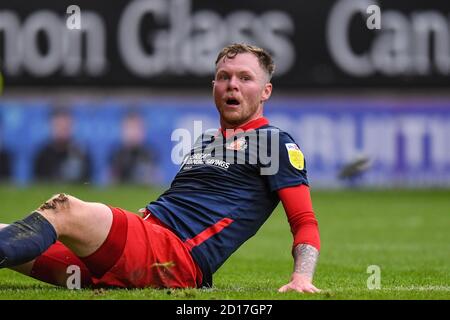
[(232, 102)]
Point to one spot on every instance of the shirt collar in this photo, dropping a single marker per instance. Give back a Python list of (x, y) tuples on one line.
[(254, 124)]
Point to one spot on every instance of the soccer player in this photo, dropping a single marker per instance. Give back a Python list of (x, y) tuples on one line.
[(213, 205)]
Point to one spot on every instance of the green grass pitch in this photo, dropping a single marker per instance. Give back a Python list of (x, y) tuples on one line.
[(404, 232)]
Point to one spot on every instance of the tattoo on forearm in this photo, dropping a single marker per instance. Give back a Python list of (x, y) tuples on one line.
[(305, 259)]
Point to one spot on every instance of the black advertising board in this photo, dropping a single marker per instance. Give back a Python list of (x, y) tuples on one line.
[(174, 43)]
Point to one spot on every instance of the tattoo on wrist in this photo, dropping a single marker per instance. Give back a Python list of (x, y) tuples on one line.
[(305, 259)]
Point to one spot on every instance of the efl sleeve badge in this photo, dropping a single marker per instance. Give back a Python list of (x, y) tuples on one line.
[(296, 157)]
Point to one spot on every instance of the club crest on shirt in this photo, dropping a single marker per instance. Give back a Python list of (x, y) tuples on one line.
[(296, 157), (237, 145)]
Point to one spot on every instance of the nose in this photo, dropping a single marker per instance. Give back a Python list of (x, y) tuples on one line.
[(233, 83)]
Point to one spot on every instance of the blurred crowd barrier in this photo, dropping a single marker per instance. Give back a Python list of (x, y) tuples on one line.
[(405, 142)]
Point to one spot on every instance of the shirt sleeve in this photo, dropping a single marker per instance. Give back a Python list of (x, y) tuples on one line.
[(288, 167), (298, 206)]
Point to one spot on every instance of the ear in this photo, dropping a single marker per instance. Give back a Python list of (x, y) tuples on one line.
[(213, 82), (267, 92)]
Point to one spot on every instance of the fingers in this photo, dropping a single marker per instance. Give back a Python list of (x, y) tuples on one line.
[(314, 289), (304, 289), (284, 288)]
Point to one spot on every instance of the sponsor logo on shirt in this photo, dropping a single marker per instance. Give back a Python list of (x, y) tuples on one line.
[(238, 145), (203, 159), (296, 157)]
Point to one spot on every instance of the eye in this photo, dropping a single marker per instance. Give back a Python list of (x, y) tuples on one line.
[(222, 76), (246, 78)]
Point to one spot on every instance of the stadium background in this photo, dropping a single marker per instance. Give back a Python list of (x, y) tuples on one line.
[(344, 91)]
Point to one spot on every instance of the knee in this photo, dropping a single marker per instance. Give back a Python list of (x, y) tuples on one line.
[(60, 210), (61, 205)]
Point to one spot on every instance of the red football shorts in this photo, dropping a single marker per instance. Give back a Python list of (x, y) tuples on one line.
[(137, 253)]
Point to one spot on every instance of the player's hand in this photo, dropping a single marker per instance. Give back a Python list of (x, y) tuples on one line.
[(300, 283)]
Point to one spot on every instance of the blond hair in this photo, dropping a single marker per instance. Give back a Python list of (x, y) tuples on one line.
[(264, 58)]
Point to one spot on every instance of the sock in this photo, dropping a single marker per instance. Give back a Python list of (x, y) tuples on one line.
[(24, 240)]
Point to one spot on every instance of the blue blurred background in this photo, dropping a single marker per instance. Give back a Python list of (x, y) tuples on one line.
[(344, 90), (407, 141)]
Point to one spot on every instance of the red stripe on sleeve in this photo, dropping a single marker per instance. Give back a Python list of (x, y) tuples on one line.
[(298, 206)]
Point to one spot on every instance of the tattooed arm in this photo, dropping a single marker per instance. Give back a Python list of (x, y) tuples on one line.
[(305, 260), (304, 227)]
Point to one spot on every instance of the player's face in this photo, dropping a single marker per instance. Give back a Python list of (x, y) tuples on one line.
[(240, 88)]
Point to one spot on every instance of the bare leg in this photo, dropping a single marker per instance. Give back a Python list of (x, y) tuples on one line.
[(81, 226)]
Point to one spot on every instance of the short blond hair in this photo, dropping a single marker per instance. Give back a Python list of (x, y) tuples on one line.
[(264, 58)]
